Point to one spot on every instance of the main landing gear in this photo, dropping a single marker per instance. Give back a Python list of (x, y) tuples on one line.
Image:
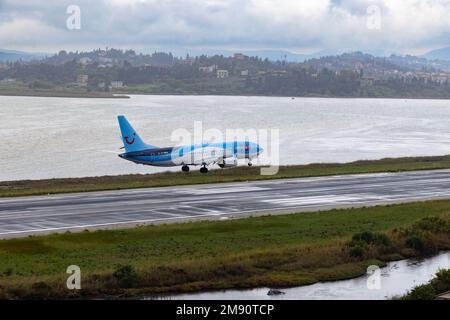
[(249, 164), (203, 169)]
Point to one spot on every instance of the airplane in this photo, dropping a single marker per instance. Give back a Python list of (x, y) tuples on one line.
[(225, 154)]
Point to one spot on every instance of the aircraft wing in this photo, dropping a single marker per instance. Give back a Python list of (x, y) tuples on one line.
[(207, 155)]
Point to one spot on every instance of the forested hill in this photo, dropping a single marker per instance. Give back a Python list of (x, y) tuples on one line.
[(126, 71)]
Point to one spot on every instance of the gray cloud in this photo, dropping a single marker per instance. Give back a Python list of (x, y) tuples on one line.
[(406, 25)]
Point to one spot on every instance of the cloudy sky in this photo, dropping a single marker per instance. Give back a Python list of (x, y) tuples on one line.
[(302, 26)]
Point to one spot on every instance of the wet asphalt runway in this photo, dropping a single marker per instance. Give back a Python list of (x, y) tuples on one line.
[(59, 213)]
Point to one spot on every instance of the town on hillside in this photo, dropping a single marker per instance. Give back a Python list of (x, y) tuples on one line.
[(353, 74)]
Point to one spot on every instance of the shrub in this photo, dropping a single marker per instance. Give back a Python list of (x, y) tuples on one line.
[(416, 242), (40, 85), (441, 281), (382, 239), (8, 272), (127, 277), (423, 292), (40, 286), (360, 242), (432, 224), (369, 237), (365, 236), (357, 252)]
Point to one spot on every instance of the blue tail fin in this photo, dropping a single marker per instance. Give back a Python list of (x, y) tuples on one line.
[(130, 138)]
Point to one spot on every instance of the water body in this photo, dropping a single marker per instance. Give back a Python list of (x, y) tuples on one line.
[(397, 278), (69, 137)]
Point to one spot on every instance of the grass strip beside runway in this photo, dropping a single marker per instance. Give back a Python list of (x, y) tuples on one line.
[(282, 250), (68, 185)]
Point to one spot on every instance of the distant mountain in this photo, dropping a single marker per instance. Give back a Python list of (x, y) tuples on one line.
[(12, 55), (438, 54)]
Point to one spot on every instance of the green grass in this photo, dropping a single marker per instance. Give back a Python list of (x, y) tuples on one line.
[(52, 186), (18, 88), (282, 250)]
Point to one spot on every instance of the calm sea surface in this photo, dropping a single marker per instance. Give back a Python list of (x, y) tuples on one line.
[(67, 137)]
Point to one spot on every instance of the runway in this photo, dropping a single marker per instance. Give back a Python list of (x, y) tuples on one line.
[(58, 213)]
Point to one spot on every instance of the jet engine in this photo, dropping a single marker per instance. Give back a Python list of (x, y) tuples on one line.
[(228, 163)]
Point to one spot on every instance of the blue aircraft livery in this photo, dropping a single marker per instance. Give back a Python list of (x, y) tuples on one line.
[(224, 154)]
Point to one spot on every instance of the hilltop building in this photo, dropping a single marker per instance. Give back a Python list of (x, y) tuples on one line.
[(82, 80), (209, 69), (222, 74), (116, 84), (239, 56)]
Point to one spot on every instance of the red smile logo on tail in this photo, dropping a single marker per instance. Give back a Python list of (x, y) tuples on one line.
[(132, 141)]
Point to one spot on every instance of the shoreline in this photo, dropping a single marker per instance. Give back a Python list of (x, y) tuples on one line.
[(127, 94), (44, 94), (280, 96), (191, 295)]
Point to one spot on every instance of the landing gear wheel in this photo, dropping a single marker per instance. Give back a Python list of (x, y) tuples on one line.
[(249, 164), (204, 170), (185, 168)]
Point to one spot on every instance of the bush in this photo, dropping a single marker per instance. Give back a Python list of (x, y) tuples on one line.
[(127, 277), (8, 272), (416, 242), (432, 224), (357, 252), (382, 239), (371, 238), (423, 292), (360, 242), (365, 236), (441, 282), (40, 286), (40, 85)]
